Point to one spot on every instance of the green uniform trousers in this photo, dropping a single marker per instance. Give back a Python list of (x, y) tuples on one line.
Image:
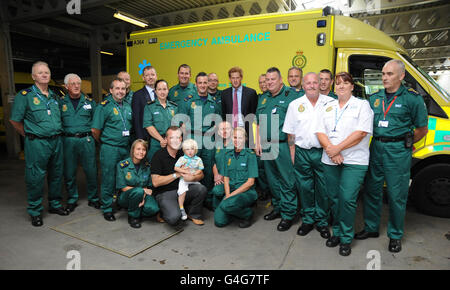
[(132, 198), (262, 179), (343, 183), (43, 156), (310, 179), (217, 195), (154, 146), (238, 206), (80, 149), (207, 156), (279, 171), (390, 162), (109, 157)]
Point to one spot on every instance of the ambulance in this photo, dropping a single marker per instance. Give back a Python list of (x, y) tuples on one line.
[(312, 40)]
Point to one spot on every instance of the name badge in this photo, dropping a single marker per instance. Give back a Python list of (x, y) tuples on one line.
[(87, 107), (274, 110), (383, 124), (49, 112), (156, 113), (333, 134), (125, 133), (243, 164)]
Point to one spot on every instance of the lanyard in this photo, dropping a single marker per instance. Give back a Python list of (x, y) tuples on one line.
[(389, 107), (46, 100), (121, 116), (338, 119)]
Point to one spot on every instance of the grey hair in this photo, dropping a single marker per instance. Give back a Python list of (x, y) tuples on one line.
[(310, 73), (70, 76), (38, 63), (399, 63)]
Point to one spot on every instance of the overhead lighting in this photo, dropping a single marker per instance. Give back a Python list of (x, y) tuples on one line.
[(131, 19), (105, 52)]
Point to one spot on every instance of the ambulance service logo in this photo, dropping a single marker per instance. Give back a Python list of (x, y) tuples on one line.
[(142, 65), (377, 103), (299, 60), (64, 107)]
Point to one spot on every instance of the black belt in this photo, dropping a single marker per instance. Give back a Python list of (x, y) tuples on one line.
[(388, 139), (32, 136), (78, 135)]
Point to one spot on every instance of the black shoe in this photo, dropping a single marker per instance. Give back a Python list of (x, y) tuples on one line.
[(36, 221), (333, 242), (95, 204), (272, 215), (395, 246), (245, 224), (109, 216), (59, 211), (134, 222), (324, 232), (284, 225), (71, 207), (362, 235), (345, 249), (304, 229)]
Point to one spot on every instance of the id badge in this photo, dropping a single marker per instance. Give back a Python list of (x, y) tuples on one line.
[(333, 134), (49, 112), (87, 107), (383, 124), (274, 110), (125, 133)]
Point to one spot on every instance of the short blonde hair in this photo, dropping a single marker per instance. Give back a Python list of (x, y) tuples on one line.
[(190, 143), (138, 141), (241, 130)]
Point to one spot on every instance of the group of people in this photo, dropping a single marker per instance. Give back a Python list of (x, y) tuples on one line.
[(304, 130)]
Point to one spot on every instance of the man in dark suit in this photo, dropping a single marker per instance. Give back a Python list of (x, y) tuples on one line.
[(239, 101), (141, 98)]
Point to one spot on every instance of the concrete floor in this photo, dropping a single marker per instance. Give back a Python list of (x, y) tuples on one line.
[(426, 244)]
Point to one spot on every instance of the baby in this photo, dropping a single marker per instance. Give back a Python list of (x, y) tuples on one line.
[(189, 163)]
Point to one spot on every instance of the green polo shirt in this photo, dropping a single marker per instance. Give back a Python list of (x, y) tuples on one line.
[(194, 104), (127, 175), (239, 169), (158, 116), (40, 114), (113, 120), (77, 120), (269, 106), (299, 92), (407, 112), (178, 94)]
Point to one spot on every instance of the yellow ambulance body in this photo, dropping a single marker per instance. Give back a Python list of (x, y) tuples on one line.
[(312, 40)]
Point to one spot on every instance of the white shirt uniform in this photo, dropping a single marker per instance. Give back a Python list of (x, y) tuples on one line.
[(300, 120), (338, 123)]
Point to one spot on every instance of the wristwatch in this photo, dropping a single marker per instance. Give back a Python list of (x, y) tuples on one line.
[(174, 176)]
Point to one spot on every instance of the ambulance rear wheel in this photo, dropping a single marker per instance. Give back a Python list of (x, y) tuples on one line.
[(430, 190)]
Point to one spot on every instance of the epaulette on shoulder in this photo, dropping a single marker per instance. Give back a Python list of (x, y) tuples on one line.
[(374, 93), (104, 102), (25, 92), (413, 91), (173, 103), (89, 99), (124, 164), (150, 102), (188, 98)]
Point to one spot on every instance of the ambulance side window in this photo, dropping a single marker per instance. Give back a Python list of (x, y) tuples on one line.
[(366, 73)]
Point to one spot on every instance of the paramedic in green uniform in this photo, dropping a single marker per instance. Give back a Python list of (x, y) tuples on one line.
[(123, 75), (198, 107), (306, 154), (343, 128), (111, 127), (295, 76), (77, 112), (35, 114), (325, 83), (158, 116), (184, 88), (223, 144), (133, 180), (213, 82), (241, 169), (274, 149), (399, 114), (261, 181)]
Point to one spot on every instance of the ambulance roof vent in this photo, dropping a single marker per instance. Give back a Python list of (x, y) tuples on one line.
[(328, 10)]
